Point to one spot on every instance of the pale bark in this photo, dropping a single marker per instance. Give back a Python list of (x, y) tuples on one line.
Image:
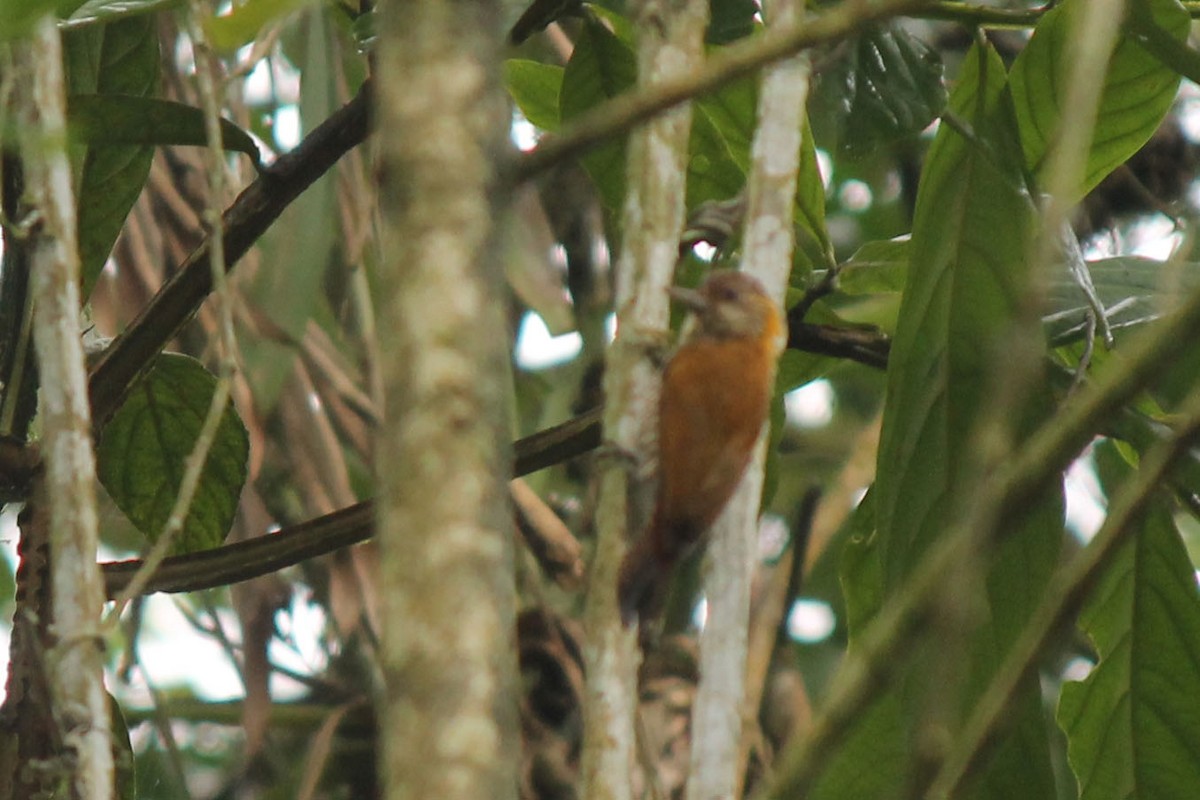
[(449, 716), (721, 714), (669, 46), (75, 662)]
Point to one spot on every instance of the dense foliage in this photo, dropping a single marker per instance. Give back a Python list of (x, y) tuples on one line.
[(972, 350)]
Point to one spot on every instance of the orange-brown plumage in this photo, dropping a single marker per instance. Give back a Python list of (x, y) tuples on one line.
[(715, 395)]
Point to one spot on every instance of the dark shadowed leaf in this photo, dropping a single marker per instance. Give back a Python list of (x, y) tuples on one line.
[(730, 20), (100, 11), (113, 119), (140, 458), (882, 86), (120, 58), (967, 264)]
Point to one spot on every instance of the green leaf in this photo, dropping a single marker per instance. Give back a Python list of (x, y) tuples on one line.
[(967, 269), (18, 16), (100, 11), (116, 119), (365, 30), (814, 248), (305, 238), (243, 23), (723, 128), (1133, 726), (717, 161), (970, 233), (140, 458), (878, 735), (860, 570), (730, 20), (885, 86), (1138, 90), (304, 241), (535, 88), (120, 58), (1135, 291), (1171, 51), (601, 67), (875, 268)]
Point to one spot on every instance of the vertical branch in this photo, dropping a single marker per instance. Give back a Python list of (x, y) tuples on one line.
[(670, 45), (722, 713), (448, 715), (75, 661)]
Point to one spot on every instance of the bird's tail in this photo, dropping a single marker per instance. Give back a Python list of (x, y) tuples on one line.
[(641, 584)]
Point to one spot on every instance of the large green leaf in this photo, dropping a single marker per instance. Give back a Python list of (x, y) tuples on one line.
[(535, 88), (101, 11), (884, 85), (1134, 291), (601, 67), (140, 458), (967, 259), (878, 736), (120, 58), (967, 269), (1138, 90), (118, 119), (1133, 726)]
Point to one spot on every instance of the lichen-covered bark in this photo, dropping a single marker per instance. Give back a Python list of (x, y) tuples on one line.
[(74, 662), (670, 36), (449, 717), (721, 710)]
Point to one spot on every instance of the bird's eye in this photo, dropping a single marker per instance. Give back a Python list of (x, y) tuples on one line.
[(728, 293)]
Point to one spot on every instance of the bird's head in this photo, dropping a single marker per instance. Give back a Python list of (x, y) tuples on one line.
[(731, 304)]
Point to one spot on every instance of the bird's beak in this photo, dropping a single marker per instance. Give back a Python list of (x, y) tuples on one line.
[(690, 299)]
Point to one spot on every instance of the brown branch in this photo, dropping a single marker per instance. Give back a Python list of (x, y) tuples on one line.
[(252, 558), (621, 113), (865, 345), (242, 561), (244, 222)]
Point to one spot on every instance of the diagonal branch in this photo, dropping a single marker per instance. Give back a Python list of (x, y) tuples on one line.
[(624, 112), (244, 222), (252, 558)]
